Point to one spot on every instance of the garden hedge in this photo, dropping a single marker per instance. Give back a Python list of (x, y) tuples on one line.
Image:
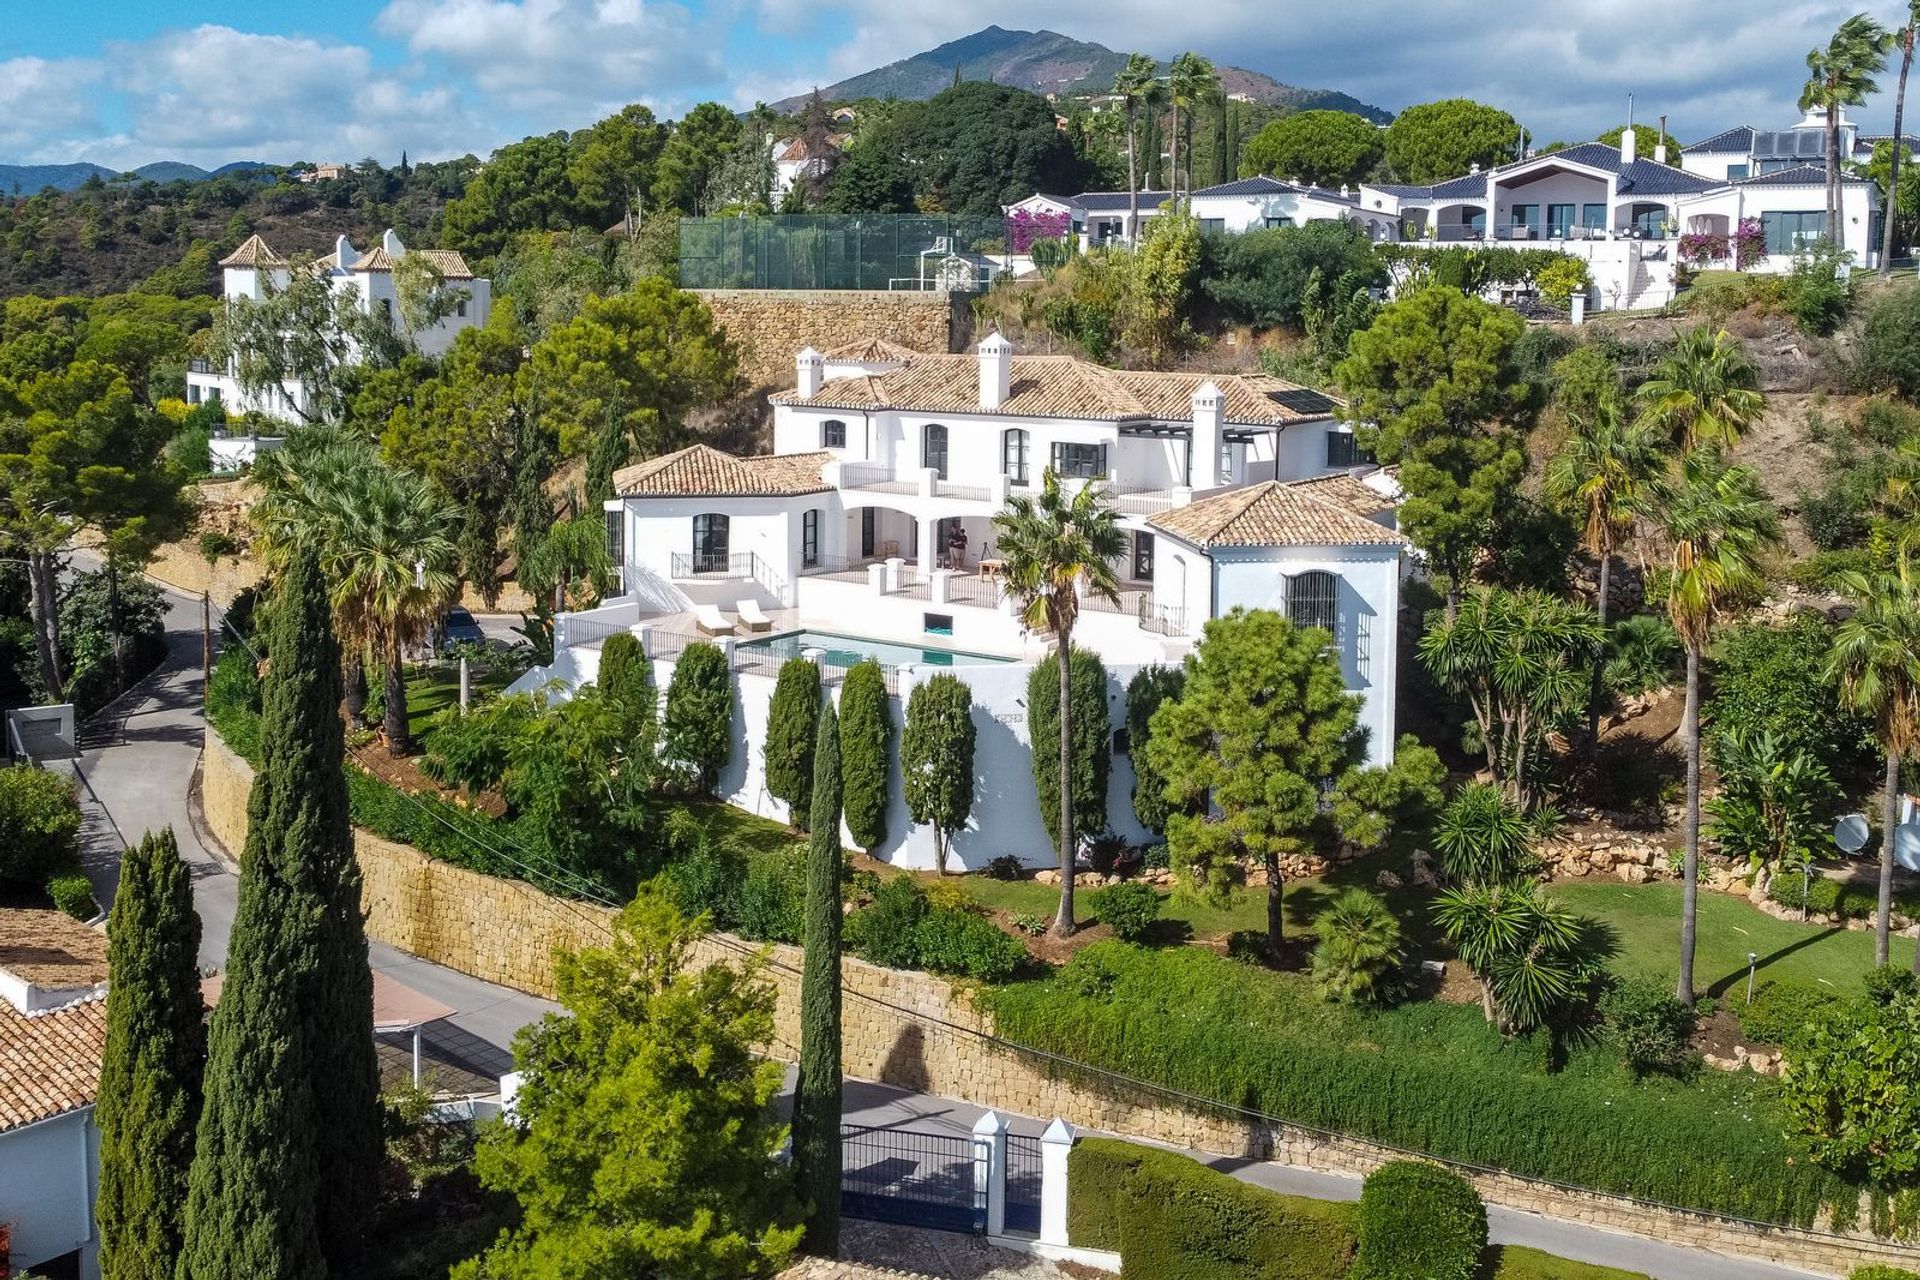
[(1172, 1218), (1419, 1222)]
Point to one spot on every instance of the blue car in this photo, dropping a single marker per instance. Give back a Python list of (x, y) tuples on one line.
[(458, 627)]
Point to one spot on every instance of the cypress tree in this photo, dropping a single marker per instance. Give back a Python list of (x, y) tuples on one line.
[(816, 1094), (626, 679), (698, 729), (866, 755), (288, 1149), (1092, 756), (790, 736), (156, 1046)]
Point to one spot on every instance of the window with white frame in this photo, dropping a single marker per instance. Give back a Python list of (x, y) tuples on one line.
[(1079, 461), (1313, 600), (833, 434), (1015, 445)]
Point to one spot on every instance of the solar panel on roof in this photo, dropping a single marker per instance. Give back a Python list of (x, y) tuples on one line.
[(1811, 143), (1302, 401)]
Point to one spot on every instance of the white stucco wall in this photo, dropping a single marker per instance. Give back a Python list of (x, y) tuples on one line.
[(49, 1176)]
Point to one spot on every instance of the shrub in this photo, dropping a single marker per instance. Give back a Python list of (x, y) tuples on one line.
[(1419, 1222), (1641, 655), (1172, 1218), (1262, 277), (39, 824), (886, 930), (1767, 677), (966, 945), (702, 875), (1850, 1092), (72, 894), (1129, 908), (1559, 281), (1890, 342), (1651, 1027), (791, 720), (697, 736), (1358, 957), (772, 899), (1878, 1272), (1783, 1011), (1004, 867), (1813, 292)]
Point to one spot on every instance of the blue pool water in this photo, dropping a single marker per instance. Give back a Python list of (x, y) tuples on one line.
[(845, 651)]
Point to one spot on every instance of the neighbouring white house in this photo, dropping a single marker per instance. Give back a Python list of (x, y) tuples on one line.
[(868, 532), (53, 1032), (254, 269), (1101, 217), (795, 162)]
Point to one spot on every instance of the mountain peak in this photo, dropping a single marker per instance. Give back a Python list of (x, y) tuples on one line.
[(1049, 62)]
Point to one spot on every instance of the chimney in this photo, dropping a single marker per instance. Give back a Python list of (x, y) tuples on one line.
[(1660, 147), (996, 371), (1629, 145), (810, 373), (390, 241), (344, 254), (1209, 406)]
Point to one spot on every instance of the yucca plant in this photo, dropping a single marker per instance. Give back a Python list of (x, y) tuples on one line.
[(1534, 957)]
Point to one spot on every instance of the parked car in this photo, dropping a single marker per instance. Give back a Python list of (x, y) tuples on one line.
[(458, 627)]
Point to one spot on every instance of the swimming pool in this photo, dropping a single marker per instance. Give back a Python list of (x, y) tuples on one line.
[(845, 651)]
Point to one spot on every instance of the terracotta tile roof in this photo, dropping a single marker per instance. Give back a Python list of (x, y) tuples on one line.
[(874, 351), (50, 1062), (1349, 492), (253, 252), (51, 950), (797, 149), (705, 472), (1272, 514), (1068, 387), (452, 265)]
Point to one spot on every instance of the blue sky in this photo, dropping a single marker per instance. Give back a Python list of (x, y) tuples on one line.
[(210, 81)]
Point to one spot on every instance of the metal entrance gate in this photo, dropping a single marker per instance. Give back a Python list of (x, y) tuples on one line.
[(921, 1179), (1023, 1184)]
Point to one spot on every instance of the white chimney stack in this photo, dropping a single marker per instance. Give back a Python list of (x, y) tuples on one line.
[(1660, 152), (390, 241), (810, 373), (996, 371), (1629, 145), (1209, 408), (344, 254)]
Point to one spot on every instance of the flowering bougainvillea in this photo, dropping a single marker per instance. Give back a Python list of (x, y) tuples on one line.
[(1025, 226), (1745, 247)]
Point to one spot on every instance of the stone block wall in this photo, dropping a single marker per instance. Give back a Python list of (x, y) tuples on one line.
[(772, 325), (921, 1032)]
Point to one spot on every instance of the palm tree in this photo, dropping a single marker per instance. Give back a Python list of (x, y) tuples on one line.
[(1718, 524), (574, 551), (1840, 76), (1137, 84), (1704, 391), (1604, 471), (392, 566), (1876, 663), (1904, 38), (1057, 546), (1190, 81)]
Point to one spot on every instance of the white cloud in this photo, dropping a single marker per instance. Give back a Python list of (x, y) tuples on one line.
[(43, 103), (561, 63)]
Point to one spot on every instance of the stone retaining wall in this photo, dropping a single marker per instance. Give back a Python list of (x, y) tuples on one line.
[(921, 1032), (772, 325)]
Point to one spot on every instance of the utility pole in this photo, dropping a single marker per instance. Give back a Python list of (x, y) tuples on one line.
[(206, 647)]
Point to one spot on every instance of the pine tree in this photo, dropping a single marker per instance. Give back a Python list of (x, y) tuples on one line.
[(286, 1157), (816, 1094), (790, 733), (866, 738), (156, 1046)]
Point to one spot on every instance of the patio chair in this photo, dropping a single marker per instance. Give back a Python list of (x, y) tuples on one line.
[(711, 621), (750, 615)]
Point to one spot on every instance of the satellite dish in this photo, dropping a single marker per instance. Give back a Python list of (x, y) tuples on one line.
[(1850, 833), (1906, 845)]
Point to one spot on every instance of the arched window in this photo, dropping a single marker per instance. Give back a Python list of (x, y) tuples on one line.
[(1313, 600), (833, 434), (710, 539), (1014, 448), (933, 448)]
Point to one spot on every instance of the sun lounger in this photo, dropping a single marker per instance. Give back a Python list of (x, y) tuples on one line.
[(710, 620), (749, 611)]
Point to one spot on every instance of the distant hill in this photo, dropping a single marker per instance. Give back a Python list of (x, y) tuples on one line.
[(29, 179), (1048, 62)]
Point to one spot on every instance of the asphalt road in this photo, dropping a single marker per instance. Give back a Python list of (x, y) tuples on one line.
[(140, 775)]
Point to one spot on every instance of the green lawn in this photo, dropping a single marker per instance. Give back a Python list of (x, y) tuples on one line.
[(1512, 1262), (431, 690), (1647, 919)]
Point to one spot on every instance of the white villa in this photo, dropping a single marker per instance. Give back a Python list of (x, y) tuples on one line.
[(254, 268), (868, 532), (794, 162), (1621, 212)]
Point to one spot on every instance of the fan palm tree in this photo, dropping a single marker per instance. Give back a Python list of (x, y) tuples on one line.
[(392, 566), (1704, 392), (1904, 38), (1876, 663), (1839, 76), (1718, 525), (1191, 80), (1057, 546), (1137, 84), (1604, 471)]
